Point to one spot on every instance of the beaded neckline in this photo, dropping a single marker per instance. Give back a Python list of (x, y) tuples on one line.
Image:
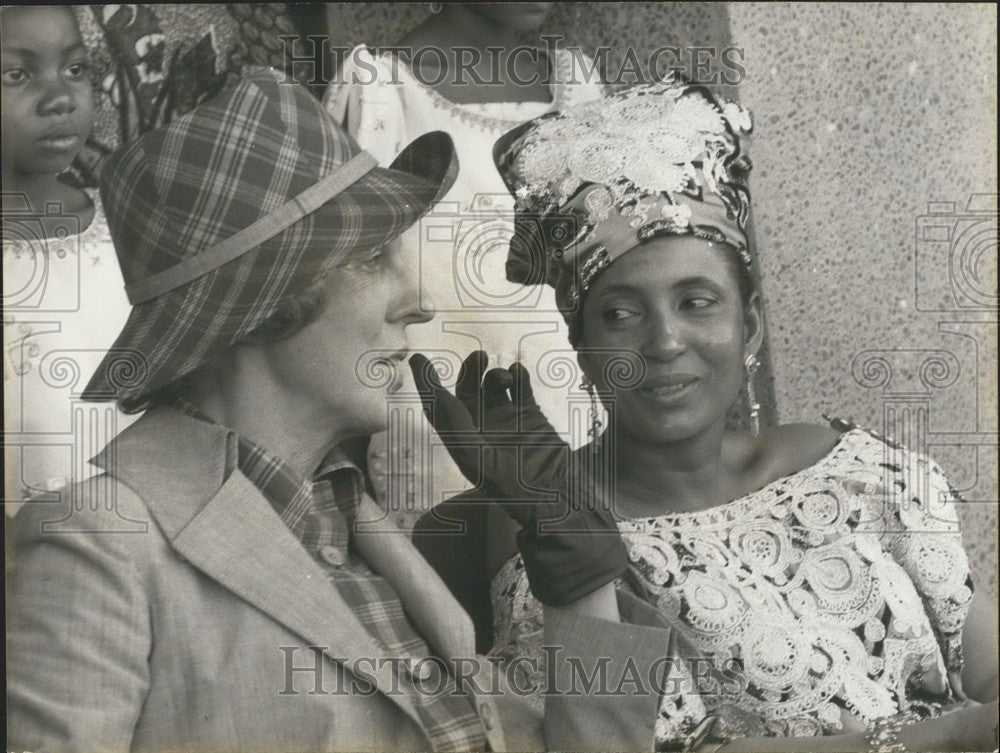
[(717, 514), (472, 113), (89, 239)]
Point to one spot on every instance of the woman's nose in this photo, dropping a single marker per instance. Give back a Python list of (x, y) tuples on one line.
[(664, 341), (419, 310), (413, 305), (57, 98)]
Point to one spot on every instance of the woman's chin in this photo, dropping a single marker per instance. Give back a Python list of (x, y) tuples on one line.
[(666, 426)]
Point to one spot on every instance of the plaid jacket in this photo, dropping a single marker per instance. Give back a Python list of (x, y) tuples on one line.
[(320, 513), (164, 606)]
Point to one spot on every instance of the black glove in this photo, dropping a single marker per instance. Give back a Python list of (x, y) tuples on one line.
[(502, 442)]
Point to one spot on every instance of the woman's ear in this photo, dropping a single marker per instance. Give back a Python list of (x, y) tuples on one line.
[(586, 362), (753, 323)]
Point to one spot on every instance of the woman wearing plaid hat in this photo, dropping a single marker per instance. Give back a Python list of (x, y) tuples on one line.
[(210, 591)]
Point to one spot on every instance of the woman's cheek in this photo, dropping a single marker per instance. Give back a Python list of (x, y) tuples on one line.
[(726, 332)]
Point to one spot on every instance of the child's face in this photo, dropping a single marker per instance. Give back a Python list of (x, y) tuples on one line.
[(48, 106)]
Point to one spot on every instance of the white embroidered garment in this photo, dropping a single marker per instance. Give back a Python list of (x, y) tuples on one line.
[(64, 304), (825, 600), (462, 246)]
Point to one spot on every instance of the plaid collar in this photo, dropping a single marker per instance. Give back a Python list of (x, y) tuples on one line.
[(318, 511)]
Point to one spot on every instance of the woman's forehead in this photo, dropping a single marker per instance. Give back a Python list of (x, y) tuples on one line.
[(669, 259), (46, 28)]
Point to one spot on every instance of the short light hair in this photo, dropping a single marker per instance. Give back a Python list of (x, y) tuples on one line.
[(293, 315)]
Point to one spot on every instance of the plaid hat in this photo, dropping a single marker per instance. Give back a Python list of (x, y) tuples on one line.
[(233, 208), (594, 181)]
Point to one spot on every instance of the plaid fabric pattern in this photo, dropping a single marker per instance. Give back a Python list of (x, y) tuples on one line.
[(318, 513), (316, 521), (179, 190)]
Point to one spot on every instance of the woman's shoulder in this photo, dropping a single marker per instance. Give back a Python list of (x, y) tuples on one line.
[(87, 511), (787, 449), (806, 441), (839, 447)]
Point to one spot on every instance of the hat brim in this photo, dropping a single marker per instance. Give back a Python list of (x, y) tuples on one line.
[(174, 334)]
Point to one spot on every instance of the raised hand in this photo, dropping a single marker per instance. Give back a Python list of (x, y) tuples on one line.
[(502, 442)]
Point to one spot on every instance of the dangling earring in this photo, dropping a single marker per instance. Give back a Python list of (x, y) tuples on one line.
[(434, 8), (750, 366), (596, 425)]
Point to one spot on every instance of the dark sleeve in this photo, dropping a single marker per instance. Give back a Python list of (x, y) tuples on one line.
[(453, 538)]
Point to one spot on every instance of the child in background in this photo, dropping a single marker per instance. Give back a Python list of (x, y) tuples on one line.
[(63, 295)]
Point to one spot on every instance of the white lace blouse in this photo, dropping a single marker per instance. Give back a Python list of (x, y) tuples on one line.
[(821, 602), (64, 304)]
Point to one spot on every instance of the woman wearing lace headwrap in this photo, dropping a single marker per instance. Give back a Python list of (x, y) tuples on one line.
[(814, 577)]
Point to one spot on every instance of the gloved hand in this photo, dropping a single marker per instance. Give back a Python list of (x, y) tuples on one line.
[(502, 442)]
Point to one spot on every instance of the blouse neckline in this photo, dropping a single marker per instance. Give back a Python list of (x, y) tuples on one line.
[(480, 111), (92, 241), (718, 513)]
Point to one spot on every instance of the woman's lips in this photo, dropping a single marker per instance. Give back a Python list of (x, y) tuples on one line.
[(668, 389), (60, 142), (397, 377), (395, 364)]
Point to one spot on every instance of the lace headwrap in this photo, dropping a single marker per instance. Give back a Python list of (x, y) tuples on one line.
[(595, 181)]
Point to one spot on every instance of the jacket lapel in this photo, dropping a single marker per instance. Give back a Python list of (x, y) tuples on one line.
[(227, 529)]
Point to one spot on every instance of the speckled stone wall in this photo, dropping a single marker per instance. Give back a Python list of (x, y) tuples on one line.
[(875, 126)]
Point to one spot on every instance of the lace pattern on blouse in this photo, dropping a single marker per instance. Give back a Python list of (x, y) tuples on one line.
[(41, 276), (838, 590), (502, 116), (495, 117), (93, 244)]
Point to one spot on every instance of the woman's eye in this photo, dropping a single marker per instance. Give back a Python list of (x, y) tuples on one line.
[(615, 314), (370, 263), (699, 301), (78, 69), (14, 75)]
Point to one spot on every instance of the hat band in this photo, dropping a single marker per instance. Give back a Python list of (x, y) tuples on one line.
[(254, 234)]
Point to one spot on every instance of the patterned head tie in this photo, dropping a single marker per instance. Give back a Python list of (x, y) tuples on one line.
[(595, 181)]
